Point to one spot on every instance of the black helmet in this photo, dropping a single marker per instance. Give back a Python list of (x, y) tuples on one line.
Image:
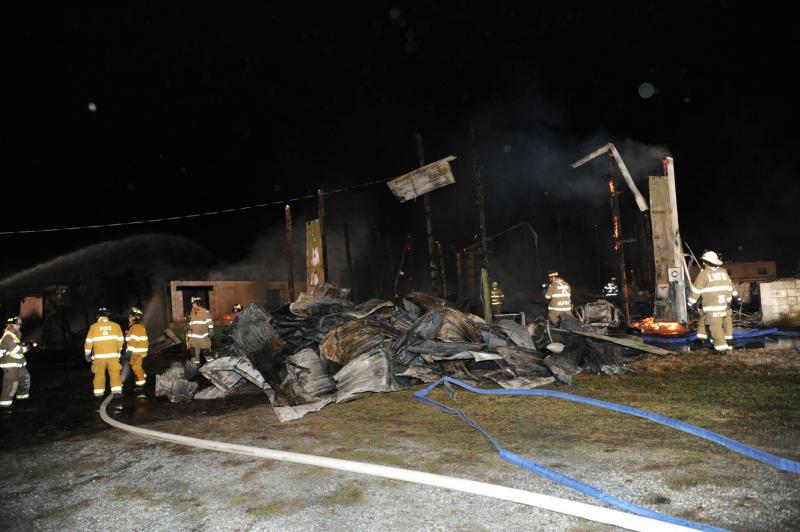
[(135, 312), (14, 320), (237, 308), (196, 299), (103, 312)]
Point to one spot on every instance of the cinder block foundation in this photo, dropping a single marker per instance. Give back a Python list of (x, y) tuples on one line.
[(780, 303)]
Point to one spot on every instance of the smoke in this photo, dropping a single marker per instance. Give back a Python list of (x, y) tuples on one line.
[(160, 254), (266, 259)]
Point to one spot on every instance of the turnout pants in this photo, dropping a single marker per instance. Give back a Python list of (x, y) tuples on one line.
[(714, 322), (99, 368), (16, 382), (555, 316), (496, 308), (135, 365), (199, 346), (702, 332), (727, 324)]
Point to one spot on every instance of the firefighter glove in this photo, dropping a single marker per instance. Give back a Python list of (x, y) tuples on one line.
[(88, 357)]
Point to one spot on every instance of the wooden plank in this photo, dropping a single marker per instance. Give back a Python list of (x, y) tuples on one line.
[(315, 268), (627, 342)]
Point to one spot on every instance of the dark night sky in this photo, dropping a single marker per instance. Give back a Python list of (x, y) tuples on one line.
[(199, 109)]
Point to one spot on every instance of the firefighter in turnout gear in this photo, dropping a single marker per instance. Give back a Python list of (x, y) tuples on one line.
[(727, 323), (559, 294), (102, 349), (496, 298), (137, 344), (713, 287), (16, 379), (201, 329), (611, 289)]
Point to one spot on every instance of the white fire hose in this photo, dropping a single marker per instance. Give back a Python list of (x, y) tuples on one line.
[(577, 509)]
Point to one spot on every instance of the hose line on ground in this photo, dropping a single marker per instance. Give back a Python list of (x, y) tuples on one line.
[(775, 461), (537, 500)]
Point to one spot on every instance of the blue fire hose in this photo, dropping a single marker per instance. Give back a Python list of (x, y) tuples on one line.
[(738, 334), (767, 458)]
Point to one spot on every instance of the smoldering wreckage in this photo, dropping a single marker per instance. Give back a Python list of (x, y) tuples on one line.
[(323, 349)]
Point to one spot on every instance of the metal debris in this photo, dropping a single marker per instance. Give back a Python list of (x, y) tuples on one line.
[(173, 385), (323, 349), (370, 372), (367, 307)]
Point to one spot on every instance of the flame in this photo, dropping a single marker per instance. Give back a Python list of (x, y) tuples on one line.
[(663, 328)]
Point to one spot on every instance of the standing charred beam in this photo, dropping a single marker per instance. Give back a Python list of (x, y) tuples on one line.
[(433, 260), (646, 257), (323, 239), (441, 268), (469, 271), (487, 309), (349, 262), (289, 255), (459, 275), (618, 245)]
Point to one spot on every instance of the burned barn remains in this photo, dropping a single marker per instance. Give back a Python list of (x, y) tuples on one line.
[(323, 349)]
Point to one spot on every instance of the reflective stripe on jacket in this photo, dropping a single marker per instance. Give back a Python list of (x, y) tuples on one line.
[(496, 296), (104, 338), (714, 288), (12, 352), (199, 323), (137, 341), (559, 294)]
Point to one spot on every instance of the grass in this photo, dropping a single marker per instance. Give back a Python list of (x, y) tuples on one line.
[(750, 396), (136, 493)]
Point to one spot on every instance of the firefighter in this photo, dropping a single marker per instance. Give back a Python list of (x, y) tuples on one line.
[(496, 297), (137, 344), (559, 294), (201, 329), (702, 330), (102, 349), (714, 288), (611, 289), (16, 379)]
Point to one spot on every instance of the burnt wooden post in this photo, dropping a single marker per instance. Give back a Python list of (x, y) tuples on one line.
[(618, 244), (349, 262), (289, 255), (487, 308), (323, 239), (433, 261)]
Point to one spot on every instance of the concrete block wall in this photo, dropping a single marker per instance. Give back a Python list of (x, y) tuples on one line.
[(224, 294), (780, 301)]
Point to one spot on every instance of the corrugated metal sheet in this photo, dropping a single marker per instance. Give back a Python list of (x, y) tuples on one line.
[(423, 180)]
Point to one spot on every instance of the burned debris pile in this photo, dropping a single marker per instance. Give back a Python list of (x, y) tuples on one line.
[(322, 349)]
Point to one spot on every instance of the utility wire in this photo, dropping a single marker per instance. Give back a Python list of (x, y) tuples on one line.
[(196, 215)]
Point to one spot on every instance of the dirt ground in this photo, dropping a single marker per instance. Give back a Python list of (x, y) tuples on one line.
[(63, 469)]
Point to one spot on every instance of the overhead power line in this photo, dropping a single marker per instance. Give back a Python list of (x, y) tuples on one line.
[(195, 215)]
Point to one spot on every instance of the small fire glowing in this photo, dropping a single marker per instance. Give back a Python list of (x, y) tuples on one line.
[(662, 328)]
